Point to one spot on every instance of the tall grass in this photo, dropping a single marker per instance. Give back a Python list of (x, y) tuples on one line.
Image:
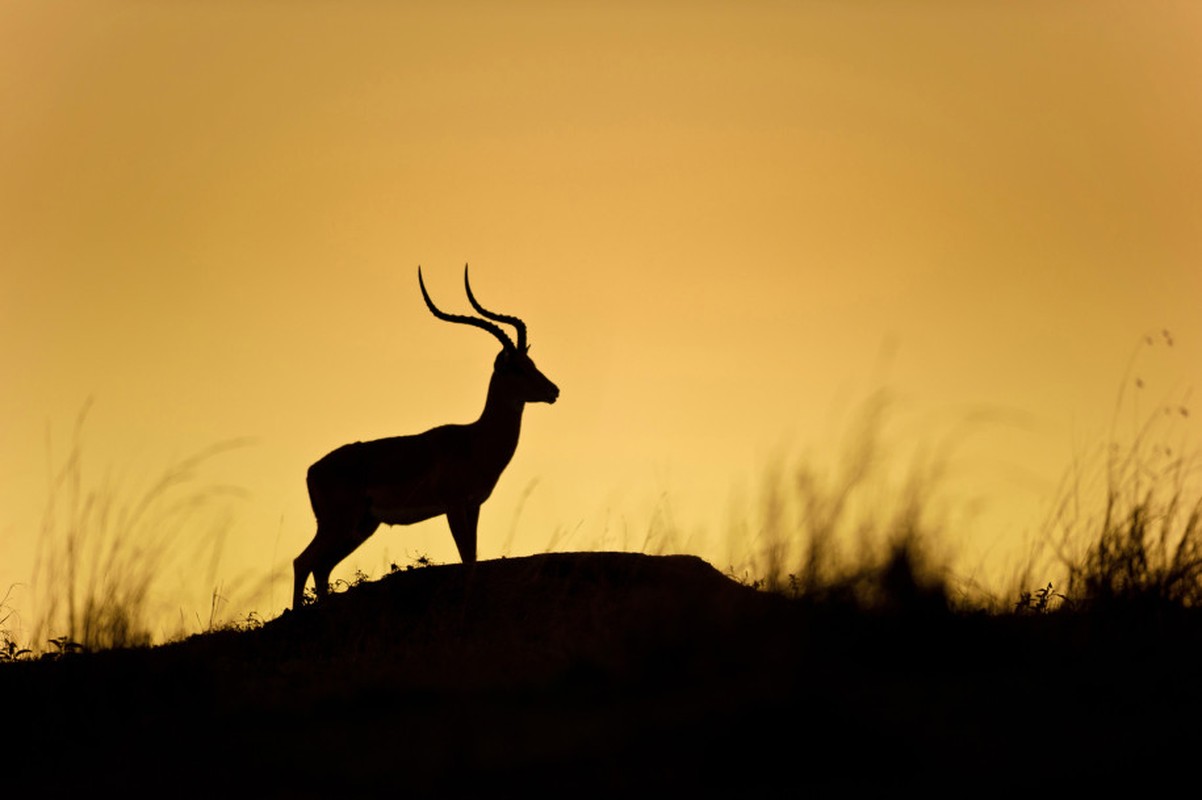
[(108, 551), (862, 530), (1128, 528), (873, 531)]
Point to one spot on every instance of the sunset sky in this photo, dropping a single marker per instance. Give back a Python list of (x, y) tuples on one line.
[(726, 224)]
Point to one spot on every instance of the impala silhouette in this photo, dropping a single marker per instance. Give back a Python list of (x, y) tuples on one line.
[(449, 470)]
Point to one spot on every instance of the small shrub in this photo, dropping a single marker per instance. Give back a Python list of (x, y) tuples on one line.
[(10, 651), (1039, 601), (64, 646)]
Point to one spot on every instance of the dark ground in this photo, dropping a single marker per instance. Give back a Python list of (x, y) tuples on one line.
[(611, 674)]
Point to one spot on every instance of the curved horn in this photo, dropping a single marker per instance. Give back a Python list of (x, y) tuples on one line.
[(514, 321), (465, 320)]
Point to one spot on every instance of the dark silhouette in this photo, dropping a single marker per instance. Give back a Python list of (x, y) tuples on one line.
[(602, 675), (450, 470)]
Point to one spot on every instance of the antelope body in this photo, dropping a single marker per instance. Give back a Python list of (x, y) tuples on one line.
[(449, 470)]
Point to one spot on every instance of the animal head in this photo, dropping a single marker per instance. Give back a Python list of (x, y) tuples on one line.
[(519, 378)]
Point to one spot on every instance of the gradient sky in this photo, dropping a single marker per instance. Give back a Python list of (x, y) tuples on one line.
[(725, 224)]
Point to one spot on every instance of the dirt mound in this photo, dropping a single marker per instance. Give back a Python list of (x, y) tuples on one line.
[(511, 621), (513, 672)]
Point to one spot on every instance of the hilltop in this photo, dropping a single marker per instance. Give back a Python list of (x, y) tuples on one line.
[(593, 674)]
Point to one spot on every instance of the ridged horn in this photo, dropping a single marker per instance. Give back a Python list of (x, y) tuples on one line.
[(466, 320), (514, 321)]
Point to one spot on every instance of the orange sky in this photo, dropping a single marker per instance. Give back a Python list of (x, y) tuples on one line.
[(722, 222)]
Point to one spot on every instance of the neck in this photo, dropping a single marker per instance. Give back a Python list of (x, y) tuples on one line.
[(502, 415)]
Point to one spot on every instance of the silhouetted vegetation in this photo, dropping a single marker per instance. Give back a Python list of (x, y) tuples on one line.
[(847, 657), (105, 547)]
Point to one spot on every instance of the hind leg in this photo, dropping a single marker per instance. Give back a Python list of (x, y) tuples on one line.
[(330, 545), (302, 567)]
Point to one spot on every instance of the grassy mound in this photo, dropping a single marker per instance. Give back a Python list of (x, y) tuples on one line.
[(589, 674)]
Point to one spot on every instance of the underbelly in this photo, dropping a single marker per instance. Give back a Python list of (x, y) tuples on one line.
[(403, 515)]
